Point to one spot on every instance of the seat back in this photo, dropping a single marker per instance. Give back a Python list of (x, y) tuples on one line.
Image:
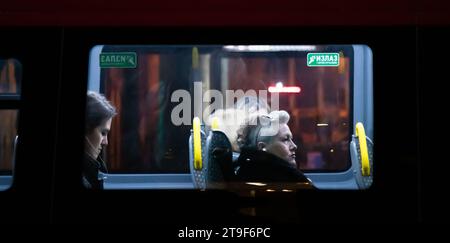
[(211, 159), (220, 160)]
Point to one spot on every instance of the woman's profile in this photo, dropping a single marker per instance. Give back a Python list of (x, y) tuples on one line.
[(267, 150), (99, 114)]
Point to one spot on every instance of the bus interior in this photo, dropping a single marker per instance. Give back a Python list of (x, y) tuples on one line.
[(340, 86)]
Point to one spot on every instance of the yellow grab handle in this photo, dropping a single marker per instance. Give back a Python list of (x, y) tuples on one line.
[(215, 123), (361, 134), (195, 57), (197, 144)]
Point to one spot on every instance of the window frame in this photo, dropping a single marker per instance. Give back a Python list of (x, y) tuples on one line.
[(361, 110)]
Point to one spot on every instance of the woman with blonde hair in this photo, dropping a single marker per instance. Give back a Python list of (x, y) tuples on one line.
[(267, 150)]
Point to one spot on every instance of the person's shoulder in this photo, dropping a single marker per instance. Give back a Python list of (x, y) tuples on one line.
[(263, 158), (263, 166)]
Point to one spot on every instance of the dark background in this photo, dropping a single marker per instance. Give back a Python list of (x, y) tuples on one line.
[(52, 40)]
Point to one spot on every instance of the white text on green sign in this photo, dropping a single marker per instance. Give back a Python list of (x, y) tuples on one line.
[(323, 59), (118, 60)]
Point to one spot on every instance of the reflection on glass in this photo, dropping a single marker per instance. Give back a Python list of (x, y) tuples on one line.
[(143, 138), (319, 112), (8, 132), (10, 76)]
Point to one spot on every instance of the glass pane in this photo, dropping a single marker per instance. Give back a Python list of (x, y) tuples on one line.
[(319, 113), (10, 76), (8, 132), (144, 139)]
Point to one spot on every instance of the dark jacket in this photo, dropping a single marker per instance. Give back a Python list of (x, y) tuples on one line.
[(92, 173), (255, 165)]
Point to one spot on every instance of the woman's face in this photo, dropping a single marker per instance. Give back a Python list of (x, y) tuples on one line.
[(282, 145), (97, 138)]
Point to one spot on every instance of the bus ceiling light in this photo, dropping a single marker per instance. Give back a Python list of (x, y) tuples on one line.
[(269, 48), (284, 89)]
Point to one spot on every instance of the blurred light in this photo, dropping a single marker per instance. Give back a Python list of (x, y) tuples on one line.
[(269, 48), (256, 183), (270, 190), (322, 124), (304, 183), (285, 89), (279, 85), (331, 150), (286, 190)]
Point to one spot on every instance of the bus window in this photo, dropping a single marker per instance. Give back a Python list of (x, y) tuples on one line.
[(143, 138), (158, 90), (320, 112), (10, 79)]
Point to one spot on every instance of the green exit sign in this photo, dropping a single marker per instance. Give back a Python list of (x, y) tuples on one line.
[(323, 59), (118, 60)]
